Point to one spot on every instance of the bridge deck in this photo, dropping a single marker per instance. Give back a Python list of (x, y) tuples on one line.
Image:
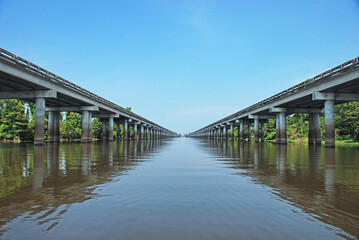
[(300, 95), (77, 96)]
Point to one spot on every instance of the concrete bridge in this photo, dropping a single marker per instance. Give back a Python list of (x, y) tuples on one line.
[(314, 96), (21, 79)]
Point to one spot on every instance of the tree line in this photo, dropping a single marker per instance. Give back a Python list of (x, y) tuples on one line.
[(17, 122)]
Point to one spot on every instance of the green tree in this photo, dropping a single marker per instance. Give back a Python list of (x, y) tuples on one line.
[(97, 128), (270, 129), (298, 126), (347, 121), (13, 120), (71, 127)]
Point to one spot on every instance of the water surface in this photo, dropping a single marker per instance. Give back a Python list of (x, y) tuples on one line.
[(178, 189)]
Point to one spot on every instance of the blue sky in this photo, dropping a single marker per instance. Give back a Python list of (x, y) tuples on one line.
[(183, 64)]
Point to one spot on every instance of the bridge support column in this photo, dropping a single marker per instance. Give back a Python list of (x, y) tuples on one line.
[(56, 127), (85, 126), (249, 132), (317, 131), (225, 132), (39, 121), (329, 123), (256, 129), (311, 134), (241, 131), (262, 130), (50, 127), (314, 135), (142, 132), (283, 128), (90, 127), (134, 137), (125, 130), (110, 129), (232, 132), (277, 128), (104, 130)]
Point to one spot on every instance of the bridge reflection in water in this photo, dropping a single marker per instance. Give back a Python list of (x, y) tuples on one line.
[(49, 179), (176, 188), (323, 182)]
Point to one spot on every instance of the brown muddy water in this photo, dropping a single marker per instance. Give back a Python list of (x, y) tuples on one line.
[(178, 189)]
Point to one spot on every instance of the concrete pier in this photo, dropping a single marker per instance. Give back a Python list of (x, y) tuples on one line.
[(50, 127), (90, 127), (314, 135), (277, 127), (85, 126), (134, 137), (225, 132), (110, 129), (249, 132), (232, 131), (125, 130), (262, 130), (57, 127), (241, 131), (142, 132), (39, 120), (311, 134), (283, 128), (104, 130), (317, 130), (256, 129), (329, 123)]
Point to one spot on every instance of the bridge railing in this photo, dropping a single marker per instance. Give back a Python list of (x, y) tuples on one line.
[(55, 78), (299, 87)]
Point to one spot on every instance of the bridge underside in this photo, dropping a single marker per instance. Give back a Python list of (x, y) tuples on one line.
[(313, 96), (306, 102), (21, 79)]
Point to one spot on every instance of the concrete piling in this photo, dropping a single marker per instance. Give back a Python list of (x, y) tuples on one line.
[(39, 121)]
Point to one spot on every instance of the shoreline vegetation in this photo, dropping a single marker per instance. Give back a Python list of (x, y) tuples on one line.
[(17, 124), (346, 142)]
